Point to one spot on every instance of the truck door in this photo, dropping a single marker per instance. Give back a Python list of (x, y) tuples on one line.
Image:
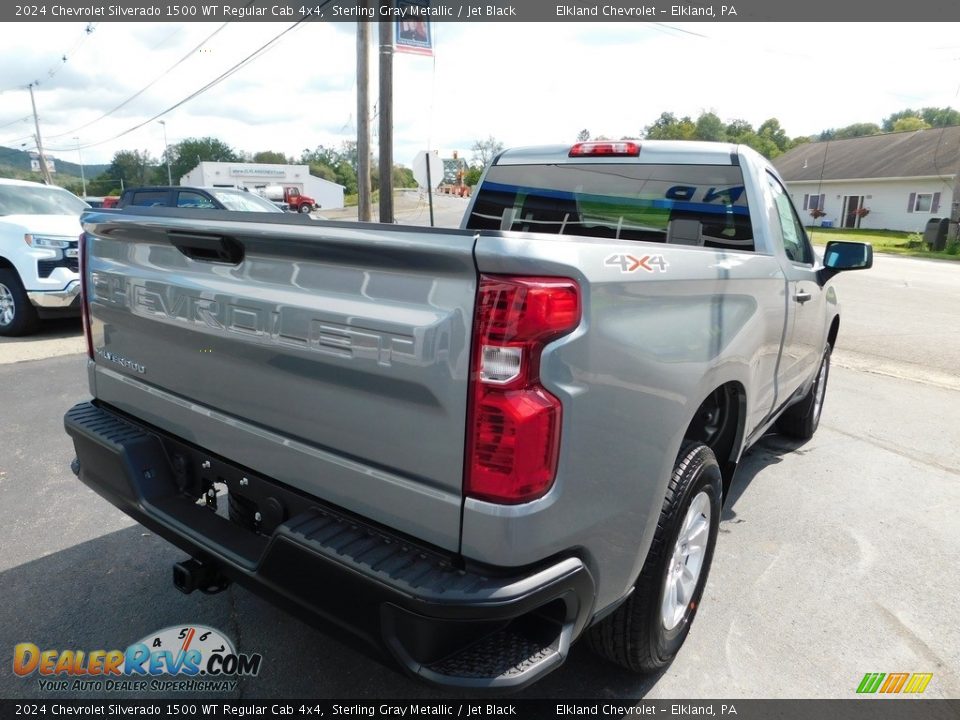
[(803, 343)]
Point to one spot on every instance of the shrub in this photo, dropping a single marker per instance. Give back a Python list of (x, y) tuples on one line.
[(915, 240)]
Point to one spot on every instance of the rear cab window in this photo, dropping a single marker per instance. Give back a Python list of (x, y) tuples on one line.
[(696, 205)]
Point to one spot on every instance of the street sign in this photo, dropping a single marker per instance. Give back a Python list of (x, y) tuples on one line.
[(419, 166)]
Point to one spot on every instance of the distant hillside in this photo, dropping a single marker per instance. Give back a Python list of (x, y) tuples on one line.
[(18, 160)]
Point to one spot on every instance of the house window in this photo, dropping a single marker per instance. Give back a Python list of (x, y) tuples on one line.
[(923, 203), (815, 202)]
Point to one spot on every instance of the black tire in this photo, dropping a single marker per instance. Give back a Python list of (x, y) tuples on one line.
[(305, 208), (635, 636), (13, 297), (802, 419), (241, 511)]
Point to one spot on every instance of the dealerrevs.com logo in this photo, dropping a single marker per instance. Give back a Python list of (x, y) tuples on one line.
[(199, 658)]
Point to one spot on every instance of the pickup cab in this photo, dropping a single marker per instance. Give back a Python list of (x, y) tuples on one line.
[(465, 447)]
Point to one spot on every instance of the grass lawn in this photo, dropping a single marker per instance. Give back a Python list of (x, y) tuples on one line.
[(886, 241)]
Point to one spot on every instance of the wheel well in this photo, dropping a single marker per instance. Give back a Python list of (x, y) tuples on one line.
[(834, 331), (718, 422), (5, 264)]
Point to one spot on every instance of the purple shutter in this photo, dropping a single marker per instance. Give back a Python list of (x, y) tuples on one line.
[(806, 202), (823, 201), (936, 203), (911, 202)]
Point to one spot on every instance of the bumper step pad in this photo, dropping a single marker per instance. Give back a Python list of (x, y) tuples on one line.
[(505, 654)]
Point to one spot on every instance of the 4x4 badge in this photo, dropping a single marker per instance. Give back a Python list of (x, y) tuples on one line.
[(631, 263)]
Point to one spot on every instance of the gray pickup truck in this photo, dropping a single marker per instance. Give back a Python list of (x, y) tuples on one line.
[(466, 447)]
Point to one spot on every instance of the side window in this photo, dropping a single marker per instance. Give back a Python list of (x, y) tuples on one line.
[(193, 200), (149, 198), (795, 242)]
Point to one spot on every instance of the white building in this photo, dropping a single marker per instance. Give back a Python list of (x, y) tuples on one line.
[(328, 194), (901, 179)]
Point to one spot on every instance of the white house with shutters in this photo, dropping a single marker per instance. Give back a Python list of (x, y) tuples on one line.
[(895, 181)]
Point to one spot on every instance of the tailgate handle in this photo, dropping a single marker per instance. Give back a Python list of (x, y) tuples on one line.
[(208, 248)]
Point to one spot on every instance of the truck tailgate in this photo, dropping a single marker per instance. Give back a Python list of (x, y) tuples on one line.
[(331, 357)]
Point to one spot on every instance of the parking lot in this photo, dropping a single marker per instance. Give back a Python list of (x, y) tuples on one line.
[(836, 558)]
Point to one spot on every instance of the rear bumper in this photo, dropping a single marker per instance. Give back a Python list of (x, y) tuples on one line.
[(438, 616)]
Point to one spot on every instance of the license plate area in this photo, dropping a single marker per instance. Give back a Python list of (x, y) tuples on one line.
[(245, 498)]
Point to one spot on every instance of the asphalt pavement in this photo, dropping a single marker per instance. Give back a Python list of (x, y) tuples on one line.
[(836, 557)]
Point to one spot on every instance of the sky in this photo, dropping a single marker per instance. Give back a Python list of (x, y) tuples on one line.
[(521, 83)]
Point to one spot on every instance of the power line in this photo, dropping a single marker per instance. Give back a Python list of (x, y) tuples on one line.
[(148, 86), (681, 30), (17, 141), (216, 81), (14, 122), (88, 31)]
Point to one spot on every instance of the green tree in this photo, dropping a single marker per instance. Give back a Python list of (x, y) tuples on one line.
[(910, 123), (321, 170), (583, 135), (187, 154), (472, 176), (347, 177), (321, 155), (856, 130), (710, 127), (668, 127), (104, 184), (891, 120), (134, 167), (771, 130), (737, 129), (940, 117), (484, 151), (270, 157), (403, 177)]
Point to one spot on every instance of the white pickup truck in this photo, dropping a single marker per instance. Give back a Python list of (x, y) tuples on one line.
[(39, 231), (466, 447)]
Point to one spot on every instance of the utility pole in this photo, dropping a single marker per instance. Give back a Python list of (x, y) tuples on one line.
[(386, 121), (166, 151), (83, 176), (363, 116), (36, 122)]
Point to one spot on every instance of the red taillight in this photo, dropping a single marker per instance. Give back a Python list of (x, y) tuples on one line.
[(84, 295), (606, 149), (514, 423)]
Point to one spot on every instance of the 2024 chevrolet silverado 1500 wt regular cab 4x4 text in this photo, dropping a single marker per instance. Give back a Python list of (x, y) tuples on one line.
[(468, 447)]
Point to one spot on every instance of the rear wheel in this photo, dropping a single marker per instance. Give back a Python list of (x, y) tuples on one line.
[(646, 632), (802, 419), (17, 315)]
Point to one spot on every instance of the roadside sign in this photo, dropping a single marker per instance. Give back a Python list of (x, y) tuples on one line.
[(419, 166)]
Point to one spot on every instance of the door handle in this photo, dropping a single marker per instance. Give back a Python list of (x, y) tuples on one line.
[(802, 297)]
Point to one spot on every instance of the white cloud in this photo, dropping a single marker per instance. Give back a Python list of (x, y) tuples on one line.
[(522, 83)]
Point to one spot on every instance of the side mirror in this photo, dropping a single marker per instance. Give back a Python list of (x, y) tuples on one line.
[(841, 255)]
